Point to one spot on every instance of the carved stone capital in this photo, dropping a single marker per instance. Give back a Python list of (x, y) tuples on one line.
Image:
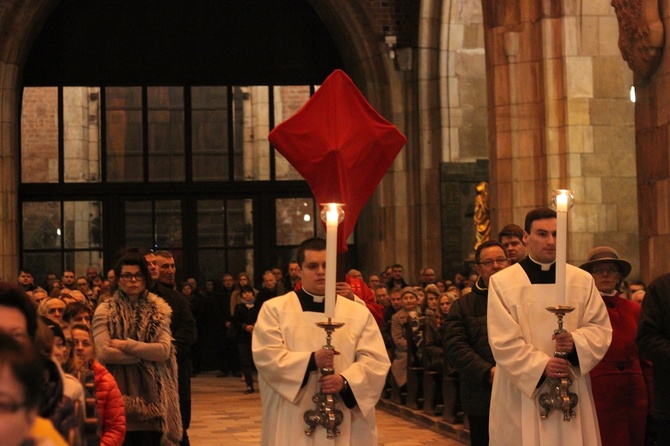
[(641, 34)]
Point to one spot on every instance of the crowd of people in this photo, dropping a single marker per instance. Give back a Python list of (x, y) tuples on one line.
[(132, 340)]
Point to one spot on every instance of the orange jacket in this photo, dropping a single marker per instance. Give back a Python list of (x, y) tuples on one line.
[(110, 407)]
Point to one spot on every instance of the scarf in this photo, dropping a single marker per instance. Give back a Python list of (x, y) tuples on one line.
[(157, 394)]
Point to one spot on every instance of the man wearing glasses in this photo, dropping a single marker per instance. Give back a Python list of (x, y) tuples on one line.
[(467, 345), (520, 334)]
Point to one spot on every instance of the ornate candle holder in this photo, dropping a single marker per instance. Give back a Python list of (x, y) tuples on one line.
[(325, 414), (559, 397)]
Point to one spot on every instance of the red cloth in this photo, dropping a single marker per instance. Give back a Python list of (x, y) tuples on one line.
[(362, 290), (341, 146)]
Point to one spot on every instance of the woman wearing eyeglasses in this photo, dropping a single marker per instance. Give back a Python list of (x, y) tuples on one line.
[(619, 386), (131, 330)]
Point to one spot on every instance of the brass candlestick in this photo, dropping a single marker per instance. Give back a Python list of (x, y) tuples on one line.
[(559, 396), (325, 414)]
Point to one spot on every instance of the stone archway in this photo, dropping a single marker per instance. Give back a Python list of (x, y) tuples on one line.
[(20, 22)]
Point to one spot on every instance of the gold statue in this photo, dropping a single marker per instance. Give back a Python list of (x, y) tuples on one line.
[(482, 217)]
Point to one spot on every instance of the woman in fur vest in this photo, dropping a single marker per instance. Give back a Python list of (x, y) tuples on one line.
[(132, 337)]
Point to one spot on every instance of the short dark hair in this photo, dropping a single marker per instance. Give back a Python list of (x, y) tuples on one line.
[(511, 230), (487, 244), (14, 297), (311, 244), (538, 214), (74, 309), (133, 258), (246, 288), (382, 285), (26, 366)]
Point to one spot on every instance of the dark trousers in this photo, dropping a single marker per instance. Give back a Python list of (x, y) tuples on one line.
[(662, 432), (247, 361), (143, 438), (230, 360), (479, 430), (184, 382)]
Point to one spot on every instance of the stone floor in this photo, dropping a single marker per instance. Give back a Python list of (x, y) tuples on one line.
[(223, 414)]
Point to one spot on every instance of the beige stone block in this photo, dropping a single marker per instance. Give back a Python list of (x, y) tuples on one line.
[(586, 29), (612, 112), (578, 110), (592, 192), (473, 35), (612, 77), (584, 217), (576, 185), (607, 218), (579, 77), (553, 166), (471, 63), (473, 93), (580, 139), (615, 140), (456, 35), (619, 191), (579, 244), (572, 7), (554, 140), (597, 8), (453, 84), (608, 37), (454, 147), (623, 165), (574, 164), (588, 220), (595, 165)]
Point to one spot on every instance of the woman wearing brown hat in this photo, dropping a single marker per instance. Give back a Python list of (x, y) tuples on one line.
[(618, 381)]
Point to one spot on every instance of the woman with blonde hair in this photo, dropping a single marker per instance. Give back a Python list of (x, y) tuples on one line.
[(111, 414)]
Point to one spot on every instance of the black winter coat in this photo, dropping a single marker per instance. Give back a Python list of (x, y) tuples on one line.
[(467, 349)]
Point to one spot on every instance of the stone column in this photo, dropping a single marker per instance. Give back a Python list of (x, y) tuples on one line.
[(560, 118)]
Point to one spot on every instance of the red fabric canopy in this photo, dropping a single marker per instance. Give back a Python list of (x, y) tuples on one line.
[(341, 146)]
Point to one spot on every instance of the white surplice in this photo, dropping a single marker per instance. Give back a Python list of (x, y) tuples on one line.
[(284, 338), (520, 330)]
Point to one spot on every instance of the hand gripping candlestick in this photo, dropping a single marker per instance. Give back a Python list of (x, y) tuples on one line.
[(326, 414), (559, 396)]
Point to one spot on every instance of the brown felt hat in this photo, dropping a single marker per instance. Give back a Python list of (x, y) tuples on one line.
[(605, 253)]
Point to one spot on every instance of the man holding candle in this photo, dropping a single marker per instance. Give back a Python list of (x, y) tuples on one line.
[(288, 353), (520, 333)]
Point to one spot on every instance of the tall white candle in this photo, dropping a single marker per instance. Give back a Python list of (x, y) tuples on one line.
[(331, 259), (561, 245)]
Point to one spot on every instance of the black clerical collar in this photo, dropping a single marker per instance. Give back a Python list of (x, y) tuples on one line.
[(308, 302), (538, 272)]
